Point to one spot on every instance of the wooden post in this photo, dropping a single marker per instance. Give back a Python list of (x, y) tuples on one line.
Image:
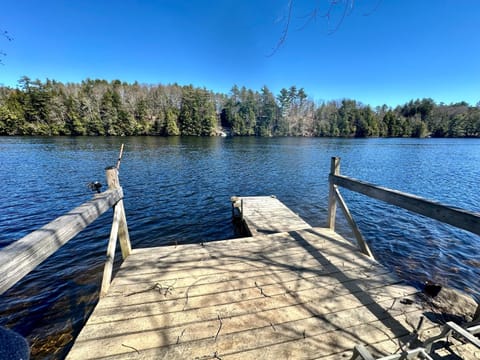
[(119, 230), (123, 235), (241, 209), (332, 203), (237, 204), (234, 201), (112, 177), (112, 243)]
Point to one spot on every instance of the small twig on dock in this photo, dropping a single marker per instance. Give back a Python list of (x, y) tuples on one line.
[(273, 327), (131, 347), (261, 290), (408, 321), (387, 335), (188, 289), (402, 347), (391, 306), (208, 357), (364, 274), (413, 336), (144, 291), (178, 337), (166, 290), (219, 328), (162, 289)]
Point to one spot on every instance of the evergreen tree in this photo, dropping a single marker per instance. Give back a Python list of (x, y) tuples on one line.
[(267, 113)]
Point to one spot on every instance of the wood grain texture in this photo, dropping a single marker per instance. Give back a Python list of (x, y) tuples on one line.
[(332, 203), (123, 233)]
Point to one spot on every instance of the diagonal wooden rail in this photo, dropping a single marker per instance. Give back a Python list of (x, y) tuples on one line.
[(460, 218), (24, 255), (457, 217)]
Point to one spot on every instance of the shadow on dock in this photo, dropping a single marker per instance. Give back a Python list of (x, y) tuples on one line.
[(299, 294)]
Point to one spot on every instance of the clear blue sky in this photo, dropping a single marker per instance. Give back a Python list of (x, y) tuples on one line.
[(390, 53)]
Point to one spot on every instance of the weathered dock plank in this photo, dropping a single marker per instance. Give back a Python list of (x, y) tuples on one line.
[(268, 215), (298, 294)]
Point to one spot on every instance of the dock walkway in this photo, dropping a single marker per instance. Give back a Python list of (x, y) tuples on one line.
[(267, 215), (291, 291)]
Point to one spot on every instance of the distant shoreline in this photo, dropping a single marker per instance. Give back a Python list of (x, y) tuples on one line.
[(242, 136), (101, 108)]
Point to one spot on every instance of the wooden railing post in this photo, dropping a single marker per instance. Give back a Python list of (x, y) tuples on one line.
[(123, 235), (332, 202), (112, 244), (119, 230)]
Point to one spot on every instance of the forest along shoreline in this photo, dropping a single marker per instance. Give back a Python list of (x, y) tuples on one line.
[(100, 108)]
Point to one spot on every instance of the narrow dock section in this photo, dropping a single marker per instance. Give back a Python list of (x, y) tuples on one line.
[(299, 293), (267, 215)]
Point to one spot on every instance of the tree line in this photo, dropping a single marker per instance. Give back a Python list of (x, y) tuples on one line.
[(102, 108)]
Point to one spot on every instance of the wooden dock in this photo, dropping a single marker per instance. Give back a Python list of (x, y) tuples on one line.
[(287, 291), (294, 292)]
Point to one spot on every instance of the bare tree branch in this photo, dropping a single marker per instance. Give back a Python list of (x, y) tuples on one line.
[(312, 16), (6, 35), (377, 5), (345, 7), (283, 37)]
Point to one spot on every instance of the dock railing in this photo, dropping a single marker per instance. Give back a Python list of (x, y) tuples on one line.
[(456, 217), (24, 255)]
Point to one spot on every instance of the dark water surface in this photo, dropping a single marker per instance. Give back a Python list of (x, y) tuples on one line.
[(177, 190)]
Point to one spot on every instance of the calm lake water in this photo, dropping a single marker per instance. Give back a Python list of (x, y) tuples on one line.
[(177, 190)]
